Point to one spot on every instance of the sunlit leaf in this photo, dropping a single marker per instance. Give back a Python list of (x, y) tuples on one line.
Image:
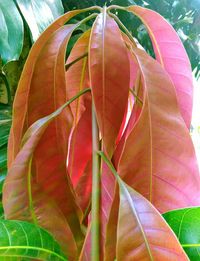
[(161, 163), (186, 225), (24, 240), (171, 54), (109, 71), (142, 233)]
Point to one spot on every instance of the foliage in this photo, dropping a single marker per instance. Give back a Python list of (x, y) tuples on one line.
[(99, 145), (185, 223)]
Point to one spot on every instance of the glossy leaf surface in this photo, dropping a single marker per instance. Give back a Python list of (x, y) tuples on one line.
[(162, 166), (12, 31), (142, 233), (40, 14), (186, 225), (109, 72), (171, 54), (24, 240)]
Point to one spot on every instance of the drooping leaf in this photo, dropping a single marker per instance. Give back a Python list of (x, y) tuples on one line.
[(162, 166), (80, 151), (23, 197), (171, 54), (20, 105), (77, 77), (186, 225), (11, 30), (109, 72), (142, 233), (40, 14), (24, 240)]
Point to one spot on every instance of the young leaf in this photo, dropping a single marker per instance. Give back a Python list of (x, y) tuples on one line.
[(142, 233), (186, 225), (109, 73), (171, 54), (24, 240), (20, 105), (40, 14), (77, 77), (12, 31), (162, 166), (24, 199)]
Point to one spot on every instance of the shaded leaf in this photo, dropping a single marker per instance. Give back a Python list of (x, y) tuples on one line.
[(11, 30), (186, 225), (109, 72), (171, 54), (22, 239), (40, 14)]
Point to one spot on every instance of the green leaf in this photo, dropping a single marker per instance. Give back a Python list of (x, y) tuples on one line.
[(11, 31), (23, 239), (186, 225), (40, 14), (5, 124)]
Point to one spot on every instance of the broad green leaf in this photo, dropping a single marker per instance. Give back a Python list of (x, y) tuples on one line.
[(109, 72), (11, 31), (186, 225), (20, 239), (40, 14)]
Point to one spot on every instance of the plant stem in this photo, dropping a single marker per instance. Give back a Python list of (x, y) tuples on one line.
[(95, 251), (67, 66)]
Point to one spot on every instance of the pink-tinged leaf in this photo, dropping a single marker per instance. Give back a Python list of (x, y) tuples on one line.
[(24, 199), (77, 77), (110, 77), (161, 163), (20, 105), (171, 54), (49, 160), (84, 188), (142, 233), (80, 151)]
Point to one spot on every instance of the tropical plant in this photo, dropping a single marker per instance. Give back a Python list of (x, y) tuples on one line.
[(99, 145)]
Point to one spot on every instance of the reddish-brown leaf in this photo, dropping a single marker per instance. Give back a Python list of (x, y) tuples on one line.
[(109, 73), (24, 199), (20, 105), (171, 54), (158, 158), (142, 233)]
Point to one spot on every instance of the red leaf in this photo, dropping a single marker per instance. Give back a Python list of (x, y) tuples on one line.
[(109, 72), (171, 54), (142, 233), (158, 158), (20, 105), (24, 199)]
